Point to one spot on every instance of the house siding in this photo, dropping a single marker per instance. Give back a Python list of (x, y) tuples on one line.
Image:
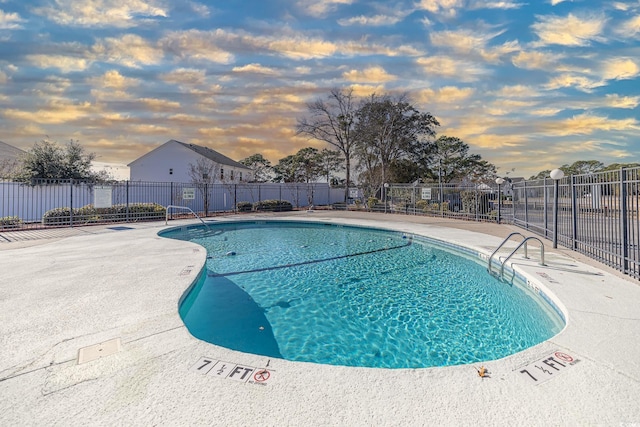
[(170, 163)]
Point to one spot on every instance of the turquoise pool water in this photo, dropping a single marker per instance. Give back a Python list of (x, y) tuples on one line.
[(356, 297)]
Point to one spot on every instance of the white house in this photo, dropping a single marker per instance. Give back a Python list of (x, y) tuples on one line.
[(173, 160)]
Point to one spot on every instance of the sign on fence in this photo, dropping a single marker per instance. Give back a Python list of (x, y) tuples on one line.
[(102, 196), (426, 193), (188, 193)]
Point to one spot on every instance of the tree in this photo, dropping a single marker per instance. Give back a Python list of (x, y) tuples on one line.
[(388, 130), (47, 160), (330, 161), (333, 121), (451, 160), (582, 167), (203, 173), (304, 166), (579, 167), (262, 169)]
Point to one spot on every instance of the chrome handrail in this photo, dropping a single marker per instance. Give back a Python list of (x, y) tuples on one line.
[(524, 242), (166, 219), (502, 244)]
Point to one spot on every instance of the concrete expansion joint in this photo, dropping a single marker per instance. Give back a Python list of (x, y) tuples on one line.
[(609, 316)]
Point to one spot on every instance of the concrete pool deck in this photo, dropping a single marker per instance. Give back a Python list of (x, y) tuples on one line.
[(120, 288)]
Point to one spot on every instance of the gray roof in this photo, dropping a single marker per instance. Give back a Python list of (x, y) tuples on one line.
[(9, 151), (212, 155)]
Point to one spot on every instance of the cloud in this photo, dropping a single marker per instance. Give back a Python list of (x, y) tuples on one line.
[(568, 31), (535, 60), (617, 101), (517, 91), (620, 69), (503, 107), (200, 9), (482, 4), (445, 8), (129, 50), (581, 83), (185, 76), (445, 95), (10, 21), (629, 28), (255, 69), (101, 13), (472, 42), (369, 75), (65, 64), (112, 79), (199, 45), (55, 112), (371, 21), (155, 104), (585, 124), (320, 8), (445, 66)]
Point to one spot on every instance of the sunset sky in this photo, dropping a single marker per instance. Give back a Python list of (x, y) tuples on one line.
[(527, 85)]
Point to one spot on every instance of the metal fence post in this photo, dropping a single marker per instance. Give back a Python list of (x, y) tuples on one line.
[(544, 206), (71, 202), (574, 213), (623, 221), (171, 196), (526, 207), (127, 199), (206, 199)]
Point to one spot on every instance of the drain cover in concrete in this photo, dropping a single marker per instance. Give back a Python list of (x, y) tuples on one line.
[(120, 228), (97, 351)]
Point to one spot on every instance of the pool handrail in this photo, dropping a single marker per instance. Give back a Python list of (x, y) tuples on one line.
[(524, 242), (166, 219), (502, 244)]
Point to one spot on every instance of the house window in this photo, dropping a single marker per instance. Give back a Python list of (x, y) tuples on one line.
[(231, 175), (240, 176), (170, 171), (221, 174)]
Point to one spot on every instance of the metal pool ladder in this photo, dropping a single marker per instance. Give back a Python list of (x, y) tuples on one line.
[(523, 243), (166, 218)]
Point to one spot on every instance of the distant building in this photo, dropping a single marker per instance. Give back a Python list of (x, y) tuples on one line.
[(172, 161), (9, 159)]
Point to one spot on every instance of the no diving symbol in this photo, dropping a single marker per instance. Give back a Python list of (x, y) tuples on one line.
[(262, 376), (563, 356)]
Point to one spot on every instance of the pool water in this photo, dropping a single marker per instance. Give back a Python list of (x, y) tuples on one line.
[(355, 296)]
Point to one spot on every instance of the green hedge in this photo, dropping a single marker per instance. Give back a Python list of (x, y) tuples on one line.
[(273, 206), (10, 222), (89, 214), (244, 206)]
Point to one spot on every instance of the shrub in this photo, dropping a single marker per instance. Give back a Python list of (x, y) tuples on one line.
[(57, 216), (244, 206), (372, 201), (422, 205), (62, 216), (273, 206), (10, 222)]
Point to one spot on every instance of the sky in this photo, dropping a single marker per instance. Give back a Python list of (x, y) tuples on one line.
[(528, 85)]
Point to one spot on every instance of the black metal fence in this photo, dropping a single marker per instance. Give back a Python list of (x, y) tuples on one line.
[(45, 203), (467, 202), (597, 215)]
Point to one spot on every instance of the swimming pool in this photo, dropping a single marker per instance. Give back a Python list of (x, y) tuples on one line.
[(355, 296)]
